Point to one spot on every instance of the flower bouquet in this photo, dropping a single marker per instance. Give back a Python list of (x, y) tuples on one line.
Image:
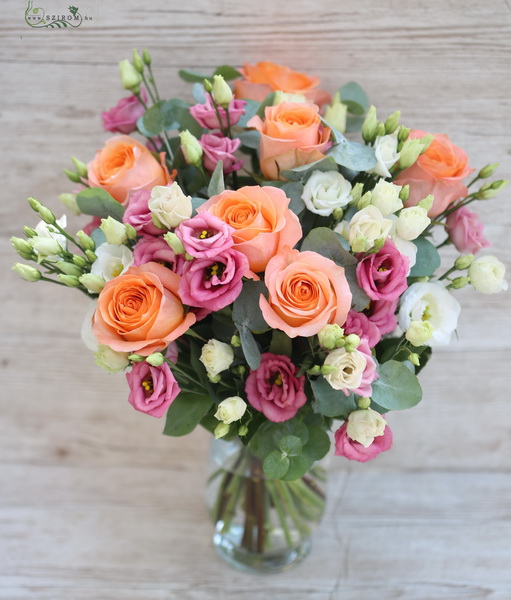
[(257, 272)]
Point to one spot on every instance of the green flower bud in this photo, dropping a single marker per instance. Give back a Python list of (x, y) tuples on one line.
[(359, 244), (392, 122), (189, 256), (131, 232), (69, 201), (403, 134), (130, 77), (314, 370), (239, 370), (214, 378), (21, 245), (156, 359), (380, 129), (157, 222), (136, 358), (72, 176), (414, 359), (174, 242), (45, 246), (78, 260), (331, 336), (146, 57), (69, 280), (404, 194), (352, 342), (487, 171), (220, 430), (222, 93), (137, 62), (464, 262), (191, 148), (29, 232), (68, 268), (490, 190), (242, 431), (208, 86), (364, 201), (364, 403), (111, 360), (356, 191), (27, 272), (369, 126), (427, 202), (91, 255), (419, 332), (34, 204), (236, 341), (115, 232), (81, 167), (327, 369), (86, 242), (338, 214), (459, 282), (378, 244), (93, 283), (46, 215), (410, 152)]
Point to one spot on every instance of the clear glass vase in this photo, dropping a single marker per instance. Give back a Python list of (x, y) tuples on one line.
[(261, 524)]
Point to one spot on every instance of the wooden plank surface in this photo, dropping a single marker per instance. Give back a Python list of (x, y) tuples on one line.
[(94, 502)]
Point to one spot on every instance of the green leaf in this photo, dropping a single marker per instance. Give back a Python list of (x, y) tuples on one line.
[(354, 124), (228, 72), (156, 119), (301, 173), (293, 427), (184, 120), (249, 347), (98, 202), (280, 343), (355, 98), (352, 155), (185, 413), (397, 387), (98, 236), (268, 101), (216, 185), (196, 202), (250, 139), (251, 108), (262, 442), (246, 311), (330, 402), (290, 445), (197, 365), (318, 445), (192, 76), (199, 93), (298, 467), (275, 465), (294, 191), (428, 258)]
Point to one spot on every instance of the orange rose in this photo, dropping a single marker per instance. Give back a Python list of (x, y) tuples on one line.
[(439, 171), (141, 311), (262, 221), (266, 77), (291, 135), (306, 292), (124, 165)]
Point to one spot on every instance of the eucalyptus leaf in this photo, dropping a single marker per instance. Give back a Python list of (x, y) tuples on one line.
[(158, 118), (98, 236), (192, 76), (318, 445), (397, 387), (249, 347), (294, 427), (268, 101), (301, 173), (199, 93), (262, 442), (228, 72), (99, 203), (428, 258), (185, 413), (355, 98), (290, 445), (250, 139), (298, 467), (294, 191), (196, 202), (354, 124), (330, 402), (251, 108), (353, 155), (246, 311), (275, 465), (280, 343), (216, 184)]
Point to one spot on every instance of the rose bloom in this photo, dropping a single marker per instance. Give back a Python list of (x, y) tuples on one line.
[(138, 215), (124, 165), (213, 283), (261, 219), (265, 77), (359, 323), (122, 118), (141, 310), (291, 135), (205, 114), (216, 147), (382, 276), (440, 171), (466, 231), (306, 292), (345, 446), (274, 389), (205, 236), (152, 389), (155, 249), (383, 314)]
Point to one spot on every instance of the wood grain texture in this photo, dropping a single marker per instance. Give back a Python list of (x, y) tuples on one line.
[(95, 504)]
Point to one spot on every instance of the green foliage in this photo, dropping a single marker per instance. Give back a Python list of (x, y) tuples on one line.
[(250, 139), (294, 191), (168, 114), (275, 465), (280, 343), (305, 171), (397, 387), (216, 185), (428, 258), (330, 402), (268, 101), (352, 155), (251, 108), (226, 71), (98, 202), (185, 413), (247, 317), (355, 98)]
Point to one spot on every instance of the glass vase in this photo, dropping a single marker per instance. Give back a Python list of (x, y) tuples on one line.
[(261, 524)]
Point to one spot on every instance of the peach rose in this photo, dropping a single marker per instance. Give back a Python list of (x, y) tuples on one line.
[(291, 135), (440, 171), (125, 165), (266, 77), (261, 219), (141, 311), (306, 292)]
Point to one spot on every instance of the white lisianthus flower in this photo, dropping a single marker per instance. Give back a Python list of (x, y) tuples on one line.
[(45, 232), (325, 191), (412, 222), (231, 409), (406, 248), (419, 332), (385, 149), (216, 357), (110, 360), (170, 205), (115, 232), (348, 370), (385, 196), (487, 275), (367, 226), (364, 425), (426, 301), (112, 260), (88, 338)]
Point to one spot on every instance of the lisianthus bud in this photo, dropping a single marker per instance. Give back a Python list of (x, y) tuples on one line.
[(130, 77), (93, 283), (327, 369), (490, 190), (29, 232), (115, 232), (86, 242), (360, 244), (459, 282), (356, 192), (220, 430), (136, 358), (21, 246), (392, 122), (69, 280), (386, 197), (331, 336), (364, 403), (92, 256), (414, 358), (174, 242), (34, 204), (216, 357), (404, 194), (364, 201), (370, 125), (487, 171), (69, 201), (156, 359), (338, 214), (222, 93), (403, 133), (314, 370), (427, 202), (364, 425), (412, 222), (336, 114), (487, 275), (352, 342), (191, 148), (137, 62), (464, 262), (231, 409), (27, 272), (81, 167), (146, 57), (45, 246), (236, 341), (380, 129), (46, 215), (419, 332), (111, 360), (409, 153), (68, 268), (131, 232), (242, 431), (72, 176), (78, 260), (207, 85)]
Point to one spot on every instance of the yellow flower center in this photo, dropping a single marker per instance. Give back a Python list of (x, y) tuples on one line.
[(147, 384)]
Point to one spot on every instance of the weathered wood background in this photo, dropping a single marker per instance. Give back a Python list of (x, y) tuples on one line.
[(94, 502)]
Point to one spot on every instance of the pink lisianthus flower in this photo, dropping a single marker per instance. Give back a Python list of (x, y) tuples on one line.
[(155, 249), (205, 236), (138, 215), (217, 147), (383, 314), (352, 450), (359, 323), (152, 389), (466, 231), (213, 283), (382, 276), (274, 389), (123, 117), (205, 114)]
